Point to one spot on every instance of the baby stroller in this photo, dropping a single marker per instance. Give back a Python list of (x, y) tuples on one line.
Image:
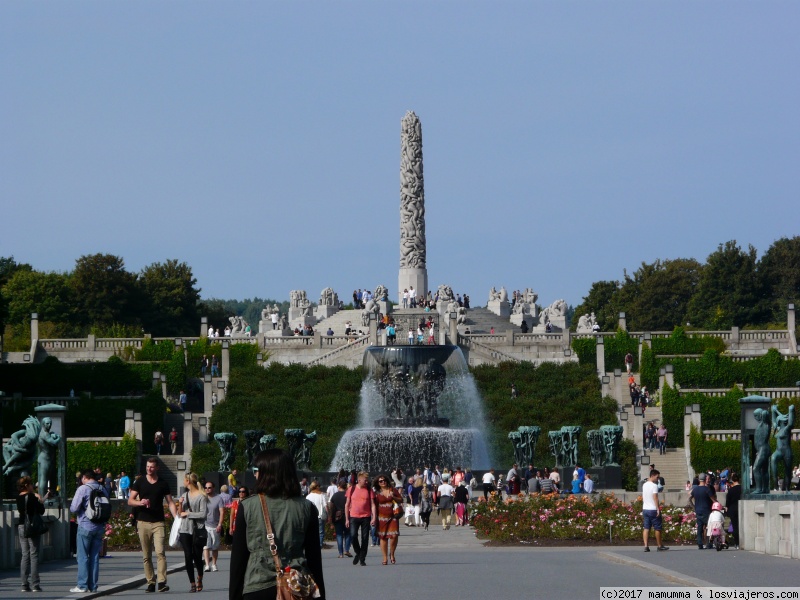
[(716, 528)]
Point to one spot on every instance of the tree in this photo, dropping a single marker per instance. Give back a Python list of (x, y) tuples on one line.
[(779, 273), (170, 299), (8, 266), (729, 292), (48, 294), (105, 291), (602, 300), (657, 297)]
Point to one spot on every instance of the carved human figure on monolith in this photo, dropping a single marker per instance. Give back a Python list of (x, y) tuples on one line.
[(227, 447), (529, 435), (783, 425), (252, 440), (20, 450), (597, 449), (612, 436), (48, 467), (519, 449), (300, 446), (412, 194), (763, 451)]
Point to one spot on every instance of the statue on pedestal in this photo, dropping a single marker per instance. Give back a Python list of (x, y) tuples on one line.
[(519, 448), (782, 424), (227, 447), (48, 467), (525, 437), (555, 441), (300, 445), (20, 450), (252, 441), (569, 444), (412, 195), (328, 297), (493, 294), (763, 451), (612, 436), (597, 449)]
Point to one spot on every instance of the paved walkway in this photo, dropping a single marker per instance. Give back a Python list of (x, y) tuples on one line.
[(468, 568)]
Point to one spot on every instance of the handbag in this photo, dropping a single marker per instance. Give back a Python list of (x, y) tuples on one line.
[(397, 510), (174, 533), (292, 583), (34, 526)]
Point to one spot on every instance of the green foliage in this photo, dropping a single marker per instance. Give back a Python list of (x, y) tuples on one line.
[(586, 349), (602, 301), (171, 298), (779, 272), (150, 351), (615, 349), (717, 412), (104, 290), (550, 395), (47, 294), (280, 397), (109, 456), (628, 460)]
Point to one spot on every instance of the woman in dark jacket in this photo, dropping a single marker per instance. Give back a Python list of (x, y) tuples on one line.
[(28, 503), (295, 523), (732, 505)]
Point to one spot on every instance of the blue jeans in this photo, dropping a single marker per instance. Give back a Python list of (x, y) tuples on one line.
[(89, 545), (321, 532), (342, 537), (702, 521)]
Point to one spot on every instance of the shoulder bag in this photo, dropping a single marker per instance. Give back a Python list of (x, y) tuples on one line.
[(292, 583), (33, 525)]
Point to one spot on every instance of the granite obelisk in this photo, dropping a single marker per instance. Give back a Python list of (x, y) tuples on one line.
[(413, 266)]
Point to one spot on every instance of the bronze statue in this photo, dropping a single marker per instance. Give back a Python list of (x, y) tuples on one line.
[(48, 468), (227, 447), (761, 462), (597, 449), (20, 450), (783, 451), (300, 445), (252, 444)]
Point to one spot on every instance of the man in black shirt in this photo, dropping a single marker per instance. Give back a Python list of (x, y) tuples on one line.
[(148, 494), (702, 497)]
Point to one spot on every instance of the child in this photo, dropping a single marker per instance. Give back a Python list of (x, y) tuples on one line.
[(716, 527)]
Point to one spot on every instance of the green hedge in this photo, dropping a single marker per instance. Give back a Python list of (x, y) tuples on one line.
[(714, 370), (614, 352), (717, 412), (110, 457)]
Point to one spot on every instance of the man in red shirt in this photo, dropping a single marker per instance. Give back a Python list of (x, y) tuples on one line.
[(360, 512)]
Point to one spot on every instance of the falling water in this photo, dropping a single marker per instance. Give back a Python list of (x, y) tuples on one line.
[(419, 405)]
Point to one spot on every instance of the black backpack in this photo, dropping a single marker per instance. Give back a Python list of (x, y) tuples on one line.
[(98, 510)]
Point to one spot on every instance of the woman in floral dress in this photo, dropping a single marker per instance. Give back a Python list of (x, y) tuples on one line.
[(388, 499)]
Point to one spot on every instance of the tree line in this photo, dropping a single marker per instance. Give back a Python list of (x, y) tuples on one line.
[(101, 296), (733, 288)]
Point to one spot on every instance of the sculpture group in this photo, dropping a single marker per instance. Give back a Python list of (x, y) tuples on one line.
[(766, 463), (20, 451), (603, 445), (256, 440), (524, 442)]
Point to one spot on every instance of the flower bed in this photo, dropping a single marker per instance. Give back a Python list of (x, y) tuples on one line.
[(581, 517)]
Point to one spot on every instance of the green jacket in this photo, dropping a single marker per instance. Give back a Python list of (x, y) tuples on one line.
[(290, 521)]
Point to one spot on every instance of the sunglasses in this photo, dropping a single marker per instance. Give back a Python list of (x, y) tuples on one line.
[(209, 487), (242, 491)]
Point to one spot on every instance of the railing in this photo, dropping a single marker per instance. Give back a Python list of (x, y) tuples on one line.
[(493, 353), (763, 335), (64, 344), (771, 393), (358, 342), (722, 435)]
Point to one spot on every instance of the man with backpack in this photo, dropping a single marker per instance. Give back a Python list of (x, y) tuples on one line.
[(94, 510)]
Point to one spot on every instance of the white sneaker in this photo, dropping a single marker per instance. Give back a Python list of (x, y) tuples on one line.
[(77, 590), (206, 569), (214, 568)]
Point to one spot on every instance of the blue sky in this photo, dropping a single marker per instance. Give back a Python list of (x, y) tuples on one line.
[(260, 141)]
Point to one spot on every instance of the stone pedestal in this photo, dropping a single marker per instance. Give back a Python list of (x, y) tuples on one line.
[(606, 478), (301, 321), (408, 278), (518, 318), (501, 308), (384, 307)]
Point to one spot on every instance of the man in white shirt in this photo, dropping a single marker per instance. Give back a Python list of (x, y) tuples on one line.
[(488, 483), (555, 478), (412, 297), (332, 489), (588, 484), (651, 511)]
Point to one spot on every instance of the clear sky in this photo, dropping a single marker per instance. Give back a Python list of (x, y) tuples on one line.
[(260, 141)]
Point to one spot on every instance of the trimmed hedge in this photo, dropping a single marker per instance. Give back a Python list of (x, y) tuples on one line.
[(111, 458), (717, 412), (614, 352)]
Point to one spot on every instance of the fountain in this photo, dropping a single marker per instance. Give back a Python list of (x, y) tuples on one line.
[(419, 405)]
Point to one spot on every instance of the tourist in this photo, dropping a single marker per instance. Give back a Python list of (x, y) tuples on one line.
[(242, 493), (29, 503), (446, 501), (193, 508), (232, 483), (410, 336), (651, 512), (412, 297), (388, 501), (391, 334), (405, 298), (512, 480), (332, 489), (461, 498), (412, 509), (124, 485), (661, 438), (320, 501), (147, 495), (588, 485), (214, 519), (182, 401), (360, 514), (158, 440), (488, 483), (90, 535), (702, 497), (555, 477), (336, 512), (629, 362), (173, 440), (732, 507), (431, 335), (203, 365), (224, 493), (546, 485), (293, 521), (214, 366), (425, 506)]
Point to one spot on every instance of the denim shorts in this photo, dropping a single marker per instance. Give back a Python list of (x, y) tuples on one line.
[(652, 520)]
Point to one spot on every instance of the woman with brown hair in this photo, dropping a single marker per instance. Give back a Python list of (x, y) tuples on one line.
[(388, 500), (193, 508), (28, 503), (294, 523)]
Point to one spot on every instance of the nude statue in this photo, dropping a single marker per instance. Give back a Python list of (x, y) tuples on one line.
[(227, 448), (20, 449), (761, 462), (48, 468), (783, 425)]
